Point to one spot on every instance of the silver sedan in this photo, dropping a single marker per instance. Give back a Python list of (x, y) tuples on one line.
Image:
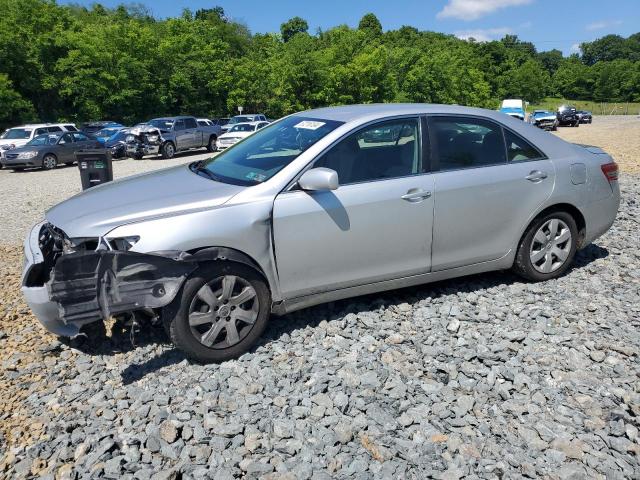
[(318, 206)]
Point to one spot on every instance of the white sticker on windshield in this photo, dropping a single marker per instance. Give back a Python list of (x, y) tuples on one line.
[(309, 125)]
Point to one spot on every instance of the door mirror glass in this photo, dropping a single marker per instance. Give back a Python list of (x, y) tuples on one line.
[(318, 179)]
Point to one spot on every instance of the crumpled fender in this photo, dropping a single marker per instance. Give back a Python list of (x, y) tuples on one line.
[(97, 284)]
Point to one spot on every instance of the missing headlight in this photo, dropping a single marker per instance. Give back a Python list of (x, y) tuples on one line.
[(123, 244)]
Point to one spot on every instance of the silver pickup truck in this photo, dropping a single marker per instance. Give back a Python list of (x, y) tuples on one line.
[(177, 134)]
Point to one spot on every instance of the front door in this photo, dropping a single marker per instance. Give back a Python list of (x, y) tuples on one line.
[(375, 226), (484, 190)]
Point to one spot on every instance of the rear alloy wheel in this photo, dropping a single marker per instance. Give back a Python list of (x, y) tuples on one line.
[(168, 150), (547, 248), (49, 161), (222, 310)]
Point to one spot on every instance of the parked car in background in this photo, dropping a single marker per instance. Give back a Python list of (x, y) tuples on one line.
[(117, 143), (19, 136), (106, 133), (515, 108), (178, 134), (567, 115), (49, 150), (221, 121), (205, 122), (237, 132), (90, 128), (253, 117), (584, 116), (544, 119), (266, 227)]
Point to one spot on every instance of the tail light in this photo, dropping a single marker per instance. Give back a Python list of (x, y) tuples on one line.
[(610, 170)]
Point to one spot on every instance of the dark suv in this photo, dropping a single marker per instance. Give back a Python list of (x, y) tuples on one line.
[(567, 115)]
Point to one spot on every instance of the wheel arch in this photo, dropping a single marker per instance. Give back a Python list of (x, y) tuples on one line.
[(212, 254), (572, 210)]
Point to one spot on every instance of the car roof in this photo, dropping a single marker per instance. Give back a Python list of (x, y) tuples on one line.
[(40, 125), (350, 113)]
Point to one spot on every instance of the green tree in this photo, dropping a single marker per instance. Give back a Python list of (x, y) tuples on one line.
[(293, 26), (370, 24)]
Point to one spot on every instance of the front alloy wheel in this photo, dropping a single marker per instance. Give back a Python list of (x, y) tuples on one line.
[(49, 161), (222, 310)]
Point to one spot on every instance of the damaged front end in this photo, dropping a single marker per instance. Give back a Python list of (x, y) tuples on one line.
[(69, 283), (143, 140)]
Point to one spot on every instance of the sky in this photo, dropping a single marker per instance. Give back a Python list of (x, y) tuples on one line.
[(561, 24)]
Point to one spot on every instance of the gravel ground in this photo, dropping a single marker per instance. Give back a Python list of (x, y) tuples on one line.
[(480, 377)]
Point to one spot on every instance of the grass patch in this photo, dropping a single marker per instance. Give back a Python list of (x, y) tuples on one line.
[(597, 108)]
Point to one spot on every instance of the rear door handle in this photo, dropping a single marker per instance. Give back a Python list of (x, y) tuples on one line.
[(536, 176), (415, 195)]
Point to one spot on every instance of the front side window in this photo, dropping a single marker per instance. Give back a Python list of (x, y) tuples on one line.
[(384, 150), (179, 125), (66, 138), (260, 156), (519, 150), (190, 123), (467, 142)]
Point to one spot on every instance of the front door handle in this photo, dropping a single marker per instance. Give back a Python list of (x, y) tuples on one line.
[(536, 176), (415, 195)]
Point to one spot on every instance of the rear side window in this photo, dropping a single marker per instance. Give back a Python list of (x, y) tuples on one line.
[(466, 142), (202, 123), (190, 123), (54, 129), (519, 150), (71, 128), (380, 151)]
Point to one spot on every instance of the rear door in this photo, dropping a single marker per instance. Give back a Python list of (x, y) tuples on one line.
[(488, 181), (376, 226), (193, 133)]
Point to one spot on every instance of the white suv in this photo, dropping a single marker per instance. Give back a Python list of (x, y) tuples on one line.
[(19, 136)]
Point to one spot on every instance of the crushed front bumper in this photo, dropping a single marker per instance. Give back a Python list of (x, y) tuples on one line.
[(67, 291)]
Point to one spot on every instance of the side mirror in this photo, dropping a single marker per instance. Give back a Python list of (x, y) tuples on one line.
[(319, 179)]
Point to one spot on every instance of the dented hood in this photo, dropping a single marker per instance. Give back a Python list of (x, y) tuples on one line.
[(168, 192)]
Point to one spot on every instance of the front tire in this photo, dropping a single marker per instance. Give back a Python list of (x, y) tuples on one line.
[(168, 150), (220, 312), (49, 162), (547, 248)]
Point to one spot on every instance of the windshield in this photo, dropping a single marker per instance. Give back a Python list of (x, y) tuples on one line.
[(107, 132), (44, 140), (240, 119), (260, 156), (17, 133), (162, 123), (243, 127)]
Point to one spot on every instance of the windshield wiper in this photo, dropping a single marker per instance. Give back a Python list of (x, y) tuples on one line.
[(200, 169)]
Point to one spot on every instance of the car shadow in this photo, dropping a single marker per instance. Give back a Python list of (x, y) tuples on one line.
[(95, 342)]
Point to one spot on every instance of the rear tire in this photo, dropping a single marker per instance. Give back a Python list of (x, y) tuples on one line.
[(547, 248), (208, 321), (211, 146)]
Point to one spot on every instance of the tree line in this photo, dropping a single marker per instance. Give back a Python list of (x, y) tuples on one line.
[(76, 63)]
